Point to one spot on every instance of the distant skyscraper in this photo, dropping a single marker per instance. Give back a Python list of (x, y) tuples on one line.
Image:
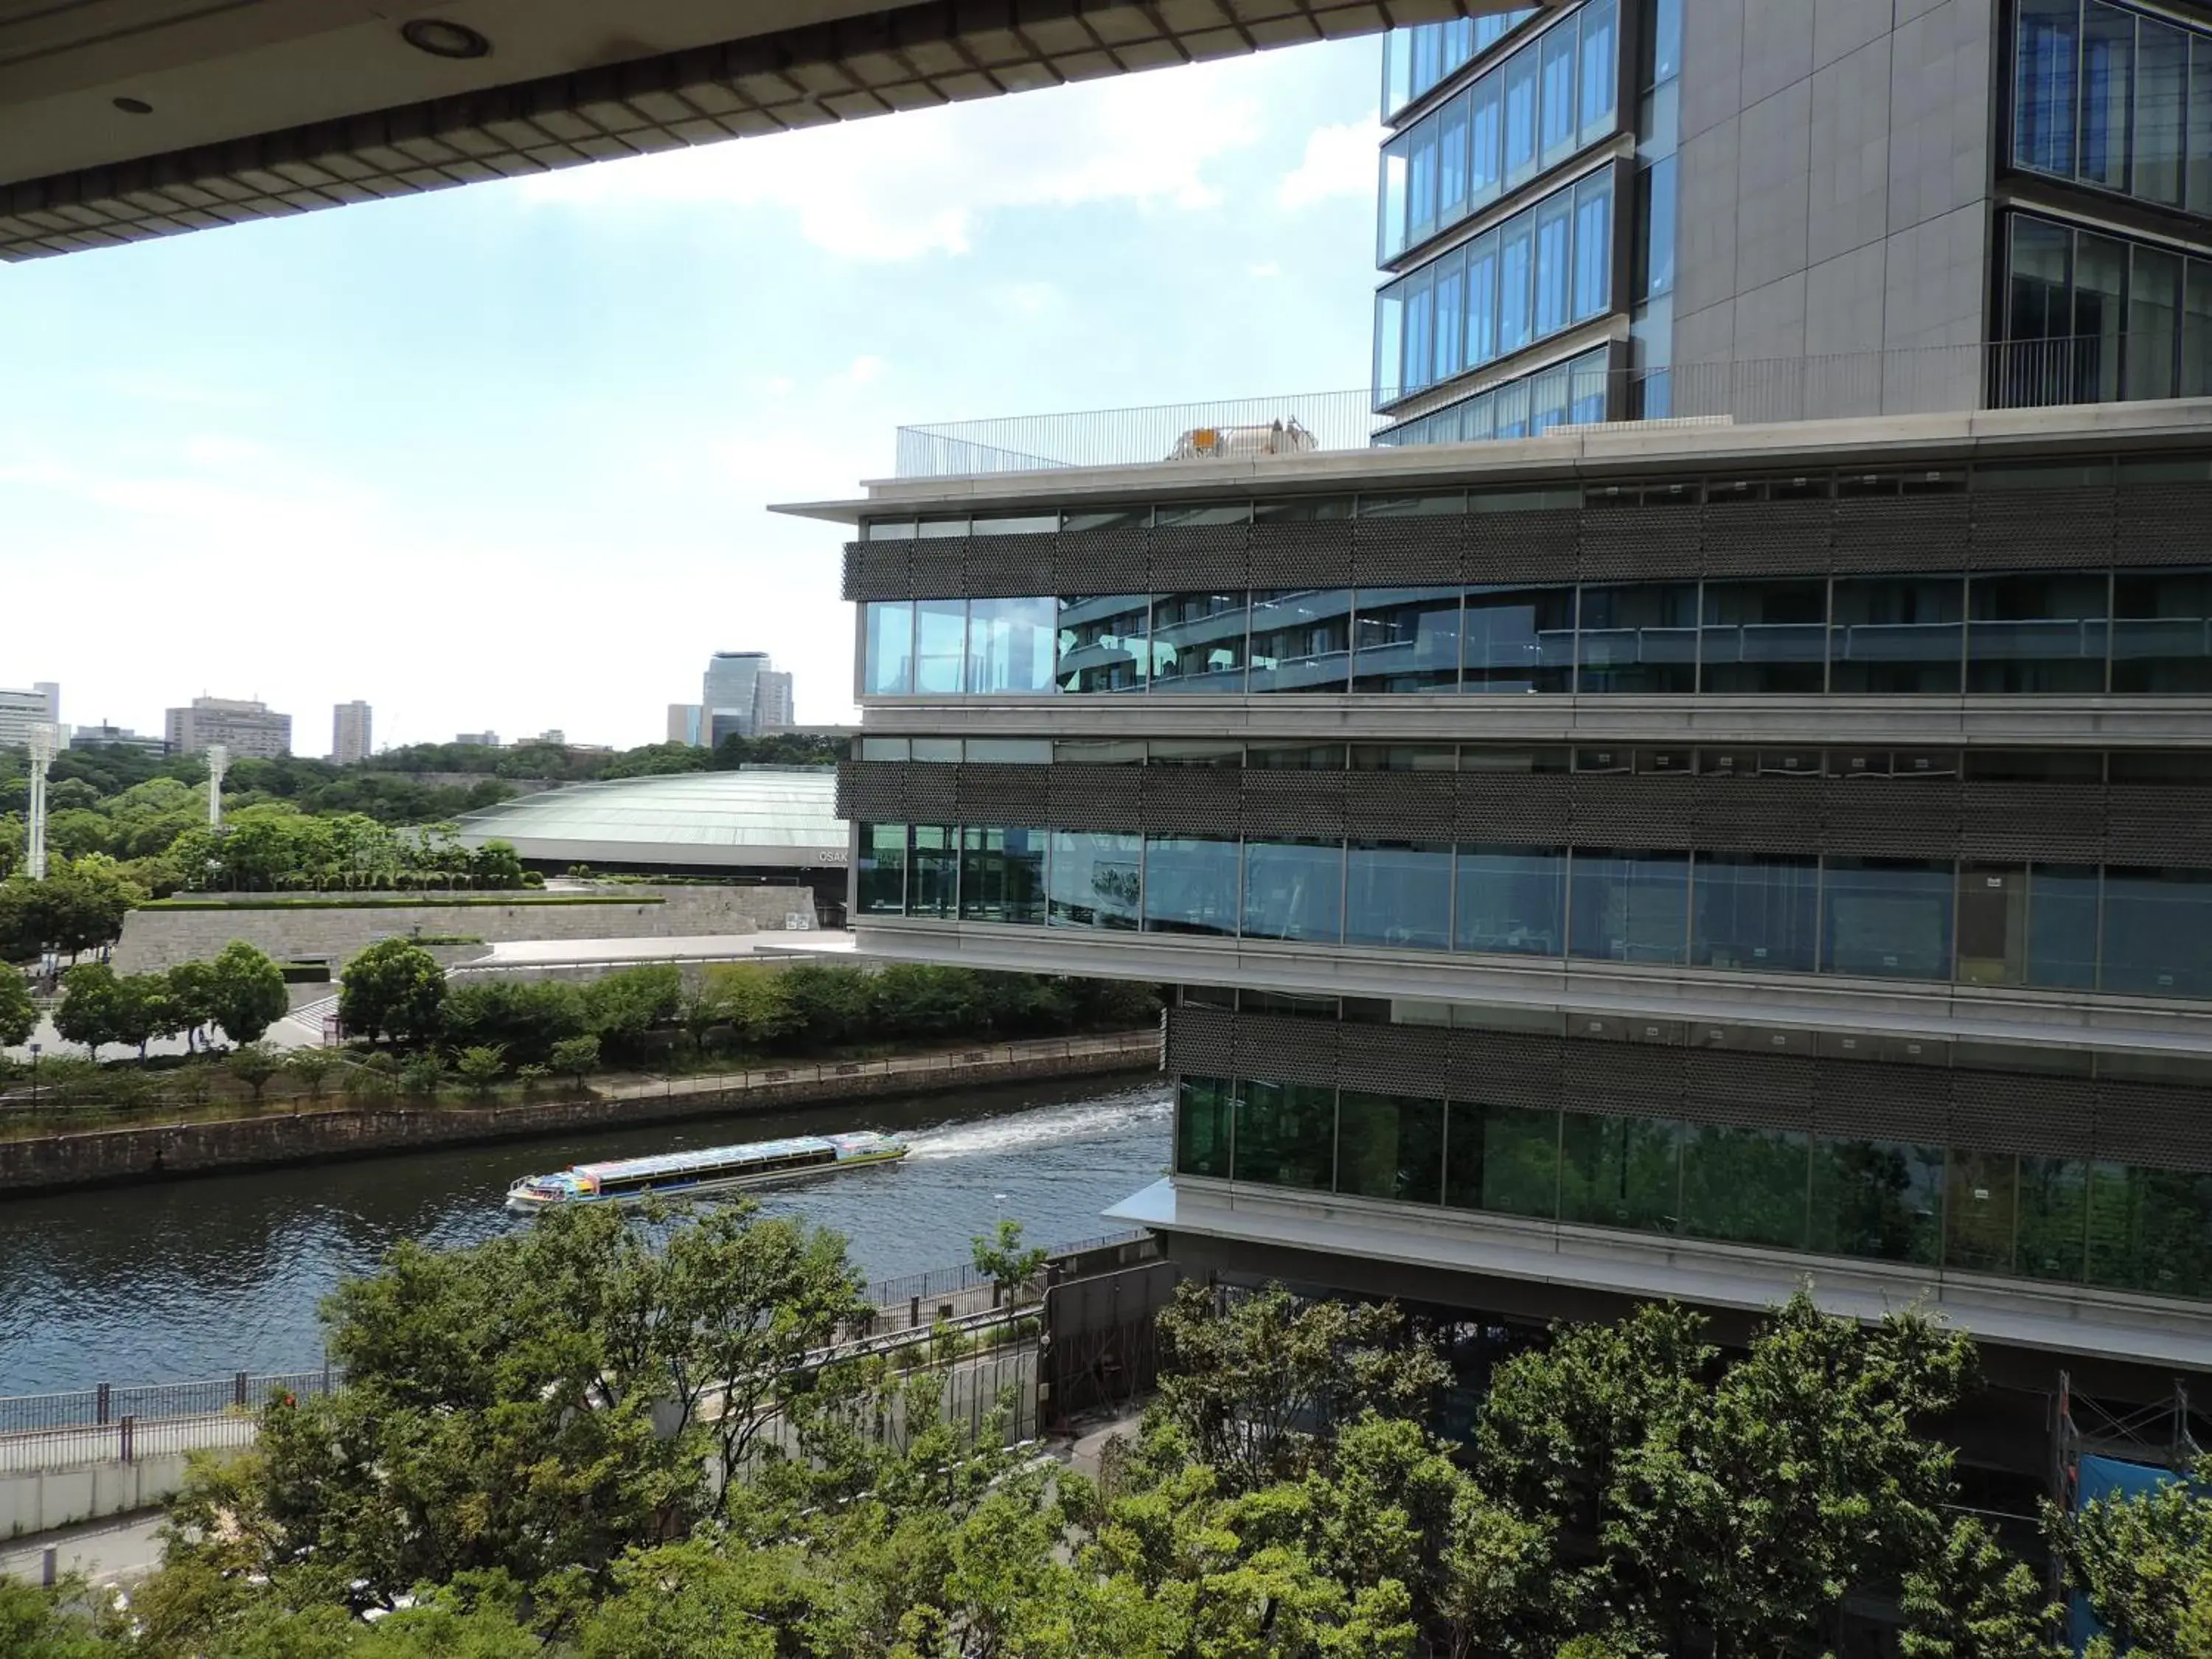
[(104, 736), (349, 733), (743, 695), (246, 729), (476, 740), (19, 711), (685, 723)]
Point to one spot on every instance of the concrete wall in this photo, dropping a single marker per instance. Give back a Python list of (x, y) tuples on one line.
[(158, 939), (114, 1157), (43, 1500), (1834, 179)]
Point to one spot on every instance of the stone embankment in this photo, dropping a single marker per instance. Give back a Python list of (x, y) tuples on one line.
[(162, 1151)]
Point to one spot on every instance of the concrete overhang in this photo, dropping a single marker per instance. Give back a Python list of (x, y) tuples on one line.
[(124, 119), (1628, 449)]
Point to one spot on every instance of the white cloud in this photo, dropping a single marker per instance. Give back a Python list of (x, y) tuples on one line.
[(1340, 160), (863, 369), (900, 186), (1264, 270)]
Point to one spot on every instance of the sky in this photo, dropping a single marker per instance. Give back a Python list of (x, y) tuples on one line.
[(499, 457)]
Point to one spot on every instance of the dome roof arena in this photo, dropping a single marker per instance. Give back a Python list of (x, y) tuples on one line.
[(758, 819)]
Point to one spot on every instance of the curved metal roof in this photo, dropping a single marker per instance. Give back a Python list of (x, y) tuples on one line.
[(764, 817)]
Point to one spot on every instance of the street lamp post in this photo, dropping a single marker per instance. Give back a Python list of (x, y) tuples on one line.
[(34, 1079)]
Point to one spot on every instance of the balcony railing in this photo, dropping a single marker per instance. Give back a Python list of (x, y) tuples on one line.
[(1913, 380)]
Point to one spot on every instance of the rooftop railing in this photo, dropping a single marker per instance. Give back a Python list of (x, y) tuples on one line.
[(1911, 381)]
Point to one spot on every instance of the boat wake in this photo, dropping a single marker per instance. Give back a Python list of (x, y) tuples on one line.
[(1089, 1119)]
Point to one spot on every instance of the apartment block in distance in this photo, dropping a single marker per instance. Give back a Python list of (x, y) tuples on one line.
[(244, 728), (349, 733), (742, 696), (21, 710)]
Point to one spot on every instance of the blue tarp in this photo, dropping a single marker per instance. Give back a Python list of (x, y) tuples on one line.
[(2108, 1477)]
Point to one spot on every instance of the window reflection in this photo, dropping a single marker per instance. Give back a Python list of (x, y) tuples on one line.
[(2158, 931), (1398, 895), (882, 881), (1294, 889), (1888, 917), (888, 670), (1629, 907), (2036, 634), (1010, 644), (1390, 1147), (1094, 880), (1620, 1172), (940, 645), (1756, 911), (1518, 639), (1879, 1199), (1763, 637), (1198, 641), (1745, 1186), (1896, 633), (1406, 639), (1204, 1108), (2162, 631), (1002, 874), (1190, 885), (933, 870), (1301, 642), (1511, 900), (1285, 1135), (1639, 638)]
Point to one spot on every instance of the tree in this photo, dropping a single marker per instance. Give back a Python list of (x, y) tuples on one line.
[(525, 1017), (576, 1056), (90, 1006), (312, 1069), (753, 999), (1975, 1599), (620, 1008), (1255, 1384), (392, 988), (142, 1011), (1001, 1255), (246, 992), (2144, 1562), (19, 1009), (253, 1064), (192, 999), (422, 1075), (481, 1067)]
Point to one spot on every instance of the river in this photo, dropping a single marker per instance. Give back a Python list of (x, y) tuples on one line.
[(222, 1274)]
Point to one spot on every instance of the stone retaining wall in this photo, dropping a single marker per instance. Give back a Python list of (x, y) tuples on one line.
[(117, 1157), (156, 938)]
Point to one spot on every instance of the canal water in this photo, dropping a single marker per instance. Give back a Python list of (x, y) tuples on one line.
[(222, 1274)]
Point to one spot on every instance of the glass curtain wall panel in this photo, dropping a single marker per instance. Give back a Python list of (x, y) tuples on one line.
[(1191, 886), (1094, 880), (1205, 1113), (1294, 889), (2162, 631), (1406, 639), (1398, 895), (1198, 641), (1285, 1135), (2156, 938), (1002, 874), (1390, 1147), (2054, 1217), (1512, 900), (1887, 917), (1518, 640), (1638, 638), (1505, 1159), (887, 668), (882, 878), (1755, 911), (1745, 1186), (933, 870), (1896, 634), (1623, 1172), (1301, 642), (1629, 906), (1764, 638), (1879, 1199), (1010, 644)]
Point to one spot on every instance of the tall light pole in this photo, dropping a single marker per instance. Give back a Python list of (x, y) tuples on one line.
[(45, 740), (218, 762)]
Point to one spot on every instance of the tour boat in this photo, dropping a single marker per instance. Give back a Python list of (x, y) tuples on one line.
[(680, 1175)]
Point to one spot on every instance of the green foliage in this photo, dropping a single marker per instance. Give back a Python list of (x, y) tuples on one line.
[(754, 1001), (480, 1067), (192, 999), (372, 1080), (79, 908), (19, 1009), (576, 1057), (392, 989), (1001, 1255), (422, 1075), (245, 992), (525, 1017), (310, 1068), (253, 1064), (2145, 1564), (620, 1008), (39, 1623), (91, 1008), (1975, 1599)]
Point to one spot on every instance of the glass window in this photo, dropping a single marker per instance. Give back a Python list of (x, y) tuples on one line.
[(887, 530), (1481, 331), (2154, 321), (1391, 200), (1510, 409), (2041, 364), (1505, 1159), (2150, 1230), (1001, 874), (1628, 907), (1017, 524), (2107, 60), (1190, 885), (940, 644), (2061, 927), (1285, 1135), (1547, 395), (1009, 751), (1404, 638), (1586, 390), (1554, 273), (1010, 644), (930, 529), (1896, 633), (936, 749), (1102, 643), (1666, 41), (1882, 1199), (2200, 125), (1451, 314), (1887, 917), (933, 874), (2036, 634), (1654, 230), (2158, 931), (1109, 518), (1764, 636), (1198, 643), (1404, 757), (2162, 631), (2100, 263), (1301, 642), (1390, 1147), (1205, 1116), (1512, 900), (889, 670), (1389, 344), (1451, 162), (1195, 751), (882, 880), (1294, 889), (2161, 81), (1753, 910), (1600, 73), (2046, 57), (2054, 1217), (1516, 276), (1419, 367), (1094, 880), (1745, 1186), (1639, 638), (1593, 287), (1486, 171), (885, 749), (1558, 75), (1993, 924), (1518, 639), (1980, 1212), (2197, 300), (1421, 184), (1520, 75), (1620, 1172), (1397, 894), (1302, 509)]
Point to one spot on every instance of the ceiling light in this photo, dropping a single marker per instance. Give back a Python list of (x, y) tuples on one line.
[(134, 107), (442, 39)]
